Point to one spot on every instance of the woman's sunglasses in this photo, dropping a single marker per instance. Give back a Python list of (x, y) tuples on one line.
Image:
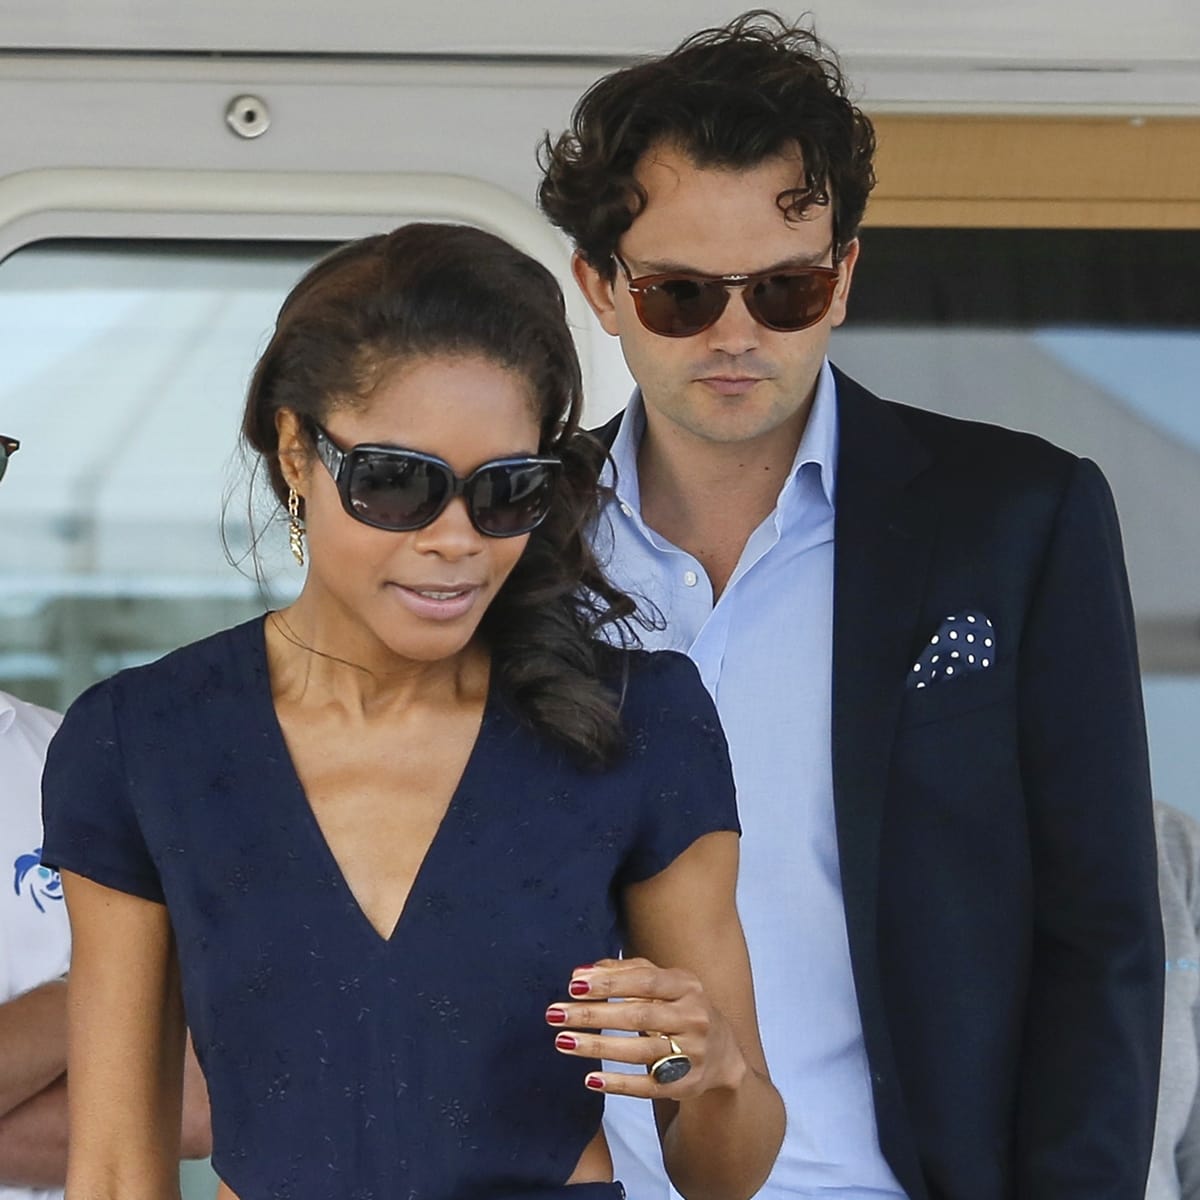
[(680, 304), (401, 490), (8, 447)]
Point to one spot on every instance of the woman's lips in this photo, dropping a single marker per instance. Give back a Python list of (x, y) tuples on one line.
[(437, 602)]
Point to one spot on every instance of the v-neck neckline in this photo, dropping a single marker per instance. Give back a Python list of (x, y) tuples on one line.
[(316, 835)]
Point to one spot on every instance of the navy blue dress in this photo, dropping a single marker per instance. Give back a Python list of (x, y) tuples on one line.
[(340, 1063)]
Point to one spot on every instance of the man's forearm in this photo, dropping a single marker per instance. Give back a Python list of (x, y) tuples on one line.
[(33, 1140), (33, 1136), (33, 1043)]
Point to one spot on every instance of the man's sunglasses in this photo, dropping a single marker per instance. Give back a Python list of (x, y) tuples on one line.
[(681, 304), (402, 490), (8, 447)]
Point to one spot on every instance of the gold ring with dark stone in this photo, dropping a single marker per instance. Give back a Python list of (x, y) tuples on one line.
[(671, 1067)]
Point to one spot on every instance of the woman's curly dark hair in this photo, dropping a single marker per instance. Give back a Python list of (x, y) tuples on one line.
[(729, 97), (431, 289)]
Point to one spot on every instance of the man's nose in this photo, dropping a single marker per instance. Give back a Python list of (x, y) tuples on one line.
[(735, 331)]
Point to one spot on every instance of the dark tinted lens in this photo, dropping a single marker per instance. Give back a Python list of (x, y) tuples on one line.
[(681, 307), (511, 498), (394, 491), (790, 302)]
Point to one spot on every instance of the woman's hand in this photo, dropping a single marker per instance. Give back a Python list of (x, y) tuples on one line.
[(722, 1123), (664, 1005)]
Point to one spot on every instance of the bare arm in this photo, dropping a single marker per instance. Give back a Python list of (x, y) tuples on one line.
[(126, 1025), (722, 1124), (33, 1140), (33, 1136), (33, 1043), (196, 1129)]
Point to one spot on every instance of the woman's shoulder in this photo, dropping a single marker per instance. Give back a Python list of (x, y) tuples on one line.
[(648, 675), (677, 757), (661, 696), (179, 679)]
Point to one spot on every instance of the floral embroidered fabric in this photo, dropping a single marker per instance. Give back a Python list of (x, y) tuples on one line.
[(341, 1063)]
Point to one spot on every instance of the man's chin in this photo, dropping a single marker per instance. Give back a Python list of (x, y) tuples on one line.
[(737, 425)]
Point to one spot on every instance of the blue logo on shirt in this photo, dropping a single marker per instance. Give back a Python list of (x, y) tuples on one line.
[(32, 878)]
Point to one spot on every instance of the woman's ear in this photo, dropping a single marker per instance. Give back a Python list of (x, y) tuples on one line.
[(294, 451)]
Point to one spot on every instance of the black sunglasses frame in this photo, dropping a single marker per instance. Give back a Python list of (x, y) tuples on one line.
[(8, 447), (340, 462), (638, 287)]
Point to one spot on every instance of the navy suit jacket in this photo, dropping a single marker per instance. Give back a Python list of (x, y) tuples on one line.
[(995, 831)]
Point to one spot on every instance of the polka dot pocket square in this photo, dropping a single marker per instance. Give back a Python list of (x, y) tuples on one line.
[(963, 644)]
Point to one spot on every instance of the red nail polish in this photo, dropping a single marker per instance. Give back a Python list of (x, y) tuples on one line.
[(579, 987), (565, 1041), (585, 966), (595, 1083), (556, 1016)]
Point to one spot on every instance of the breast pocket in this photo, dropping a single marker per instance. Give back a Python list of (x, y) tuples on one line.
[(950, 698)]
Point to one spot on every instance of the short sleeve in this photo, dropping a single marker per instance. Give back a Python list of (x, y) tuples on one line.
[(687, 781), (87, 811)]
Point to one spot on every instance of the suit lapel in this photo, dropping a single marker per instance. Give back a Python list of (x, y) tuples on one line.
[(882, 544), (607, 433)]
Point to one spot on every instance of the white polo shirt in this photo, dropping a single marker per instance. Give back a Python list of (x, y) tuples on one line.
[(35, 944)]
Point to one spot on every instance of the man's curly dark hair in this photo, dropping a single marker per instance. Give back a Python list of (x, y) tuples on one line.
[(730, 97)]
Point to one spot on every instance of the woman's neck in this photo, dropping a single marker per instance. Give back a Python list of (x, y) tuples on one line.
[(316, 661)]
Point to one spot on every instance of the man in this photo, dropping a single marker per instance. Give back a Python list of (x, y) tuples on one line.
[(34, 955), (918, 634)]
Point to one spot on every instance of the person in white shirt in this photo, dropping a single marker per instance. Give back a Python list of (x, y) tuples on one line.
[(35, 950)]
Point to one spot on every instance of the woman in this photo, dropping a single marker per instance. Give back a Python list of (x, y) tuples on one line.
[(368, 841)]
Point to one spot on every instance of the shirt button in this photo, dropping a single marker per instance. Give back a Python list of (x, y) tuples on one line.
[(691, 578), (626, 509)]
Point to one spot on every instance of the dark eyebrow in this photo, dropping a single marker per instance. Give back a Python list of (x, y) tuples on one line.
[(666, 266)]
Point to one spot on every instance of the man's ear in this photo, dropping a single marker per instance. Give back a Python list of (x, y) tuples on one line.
[(597, 291), (841, 295), (294, 452)]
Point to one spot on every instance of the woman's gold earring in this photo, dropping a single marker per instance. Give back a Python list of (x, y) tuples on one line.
[(295, 529)]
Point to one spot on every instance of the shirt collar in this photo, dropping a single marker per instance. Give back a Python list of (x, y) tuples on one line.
[(8, 712), (622, 460), (818, 444)]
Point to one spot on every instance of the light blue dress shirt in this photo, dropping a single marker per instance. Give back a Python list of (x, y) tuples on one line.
[(764, 651)]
